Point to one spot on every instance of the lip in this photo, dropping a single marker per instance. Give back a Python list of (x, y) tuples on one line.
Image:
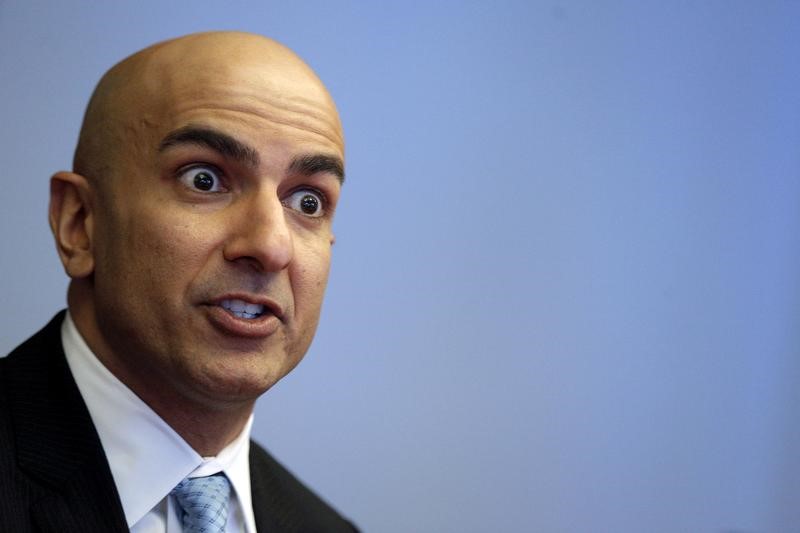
[(228, 323)]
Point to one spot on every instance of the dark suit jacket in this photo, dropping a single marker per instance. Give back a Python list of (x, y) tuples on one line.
[(54, 475)]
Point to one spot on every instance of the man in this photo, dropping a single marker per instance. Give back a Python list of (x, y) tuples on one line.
[(196, 230)]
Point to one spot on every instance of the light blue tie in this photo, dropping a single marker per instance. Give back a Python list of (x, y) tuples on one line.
[(204, 501)]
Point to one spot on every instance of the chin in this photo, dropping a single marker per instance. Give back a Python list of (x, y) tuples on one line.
[(238, 385)]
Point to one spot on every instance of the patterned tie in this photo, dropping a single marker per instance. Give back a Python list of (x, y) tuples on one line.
[(204, 501)]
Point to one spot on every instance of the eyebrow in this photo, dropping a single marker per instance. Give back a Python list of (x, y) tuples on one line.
[(213, 139), (232, 148), (313, 163)]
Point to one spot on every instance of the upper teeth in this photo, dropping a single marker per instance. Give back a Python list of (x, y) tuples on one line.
[(242, 309)]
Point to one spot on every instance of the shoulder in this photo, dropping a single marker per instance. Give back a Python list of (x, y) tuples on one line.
[(45, 343), (53, 472), (281, 502)]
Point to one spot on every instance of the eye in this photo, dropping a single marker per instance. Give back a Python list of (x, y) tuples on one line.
[(201, 178), (307, 201)]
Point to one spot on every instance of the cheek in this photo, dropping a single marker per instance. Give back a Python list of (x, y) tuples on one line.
[(179, 245), (156, 254), (310, 276)]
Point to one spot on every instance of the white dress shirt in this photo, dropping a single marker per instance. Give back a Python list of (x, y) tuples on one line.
[(147, 457)]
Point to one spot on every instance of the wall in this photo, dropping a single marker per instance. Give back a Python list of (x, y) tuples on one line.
[(565, 289)]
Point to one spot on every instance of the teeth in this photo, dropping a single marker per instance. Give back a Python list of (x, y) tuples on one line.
[(243, 309)]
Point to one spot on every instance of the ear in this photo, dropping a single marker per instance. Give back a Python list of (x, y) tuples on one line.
[(71, 221)]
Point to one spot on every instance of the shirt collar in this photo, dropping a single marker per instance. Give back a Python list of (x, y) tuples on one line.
[(146, 456)]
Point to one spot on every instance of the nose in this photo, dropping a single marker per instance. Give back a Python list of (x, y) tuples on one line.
[(259, 234)]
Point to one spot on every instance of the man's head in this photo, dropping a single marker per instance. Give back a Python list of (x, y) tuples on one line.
[(196, 224)]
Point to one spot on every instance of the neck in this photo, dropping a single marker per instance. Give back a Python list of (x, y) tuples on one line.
[(206, 425), (207, 422), (207, 431)]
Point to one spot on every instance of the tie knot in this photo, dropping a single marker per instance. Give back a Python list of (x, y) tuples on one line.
[(204, 501)]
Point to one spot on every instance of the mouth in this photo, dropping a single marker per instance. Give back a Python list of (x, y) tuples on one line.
[(242, 309), (241, 315)]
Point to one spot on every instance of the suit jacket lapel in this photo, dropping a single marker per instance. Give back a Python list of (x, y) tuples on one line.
[(57, 444), (274, 506), (265, 499)]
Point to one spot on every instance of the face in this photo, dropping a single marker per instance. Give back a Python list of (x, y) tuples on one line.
[(211, 233)]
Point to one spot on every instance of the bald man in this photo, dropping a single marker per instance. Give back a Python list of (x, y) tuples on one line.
[(196, 231)]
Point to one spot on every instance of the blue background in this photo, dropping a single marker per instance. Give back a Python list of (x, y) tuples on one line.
[(565, 292)]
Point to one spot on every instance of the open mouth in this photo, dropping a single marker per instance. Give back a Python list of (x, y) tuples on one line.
[(242, 309)]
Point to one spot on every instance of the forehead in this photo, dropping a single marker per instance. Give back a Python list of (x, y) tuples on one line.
[(267, 99)]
